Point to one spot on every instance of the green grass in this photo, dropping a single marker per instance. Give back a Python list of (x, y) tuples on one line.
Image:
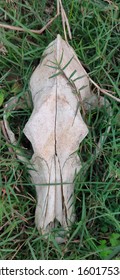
[(96, 231)]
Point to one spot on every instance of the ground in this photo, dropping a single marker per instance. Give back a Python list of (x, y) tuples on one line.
[(95, 38)]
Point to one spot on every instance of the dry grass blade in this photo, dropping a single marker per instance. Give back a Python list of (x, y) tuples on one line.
[(112, 3), (16, 28), (17, 250), (64, 19), (65, 23), (104, 91)]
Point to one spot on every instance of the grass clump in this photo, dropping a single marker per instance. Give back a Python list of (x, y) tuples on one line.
[(96, 232)]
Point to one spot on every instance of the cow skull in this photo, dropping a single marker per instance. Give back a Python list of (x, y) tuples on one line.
[(55, 133), (55, 130)]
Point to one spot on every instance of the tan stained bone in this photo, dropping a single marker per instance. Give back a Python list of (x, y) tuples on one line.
[(55, 131)]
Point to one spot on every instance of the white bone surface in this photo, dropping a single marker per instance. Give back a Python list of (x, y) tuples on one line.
[(55, 134)]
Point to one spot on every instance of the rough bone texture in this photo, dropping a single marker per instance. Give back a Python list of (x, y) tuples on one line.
[(55, 134)]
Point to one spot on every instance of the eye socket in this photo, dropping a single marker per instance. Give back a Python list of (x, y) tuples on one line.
[(17, 121)]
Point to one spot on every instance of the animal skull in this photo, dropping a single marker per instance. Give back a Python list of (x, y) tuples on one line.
[(55, 131), (55, 134)]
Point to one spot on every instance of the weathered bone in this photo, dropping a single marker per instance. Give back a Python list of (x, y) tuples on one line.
[(55, 130), (55, 133)]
